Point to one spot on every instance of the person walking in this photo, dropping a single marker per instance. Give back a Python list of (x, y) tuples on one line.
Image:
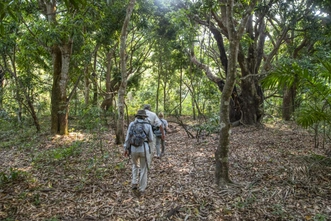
[(141, 155), (161, 142), (155, 122)]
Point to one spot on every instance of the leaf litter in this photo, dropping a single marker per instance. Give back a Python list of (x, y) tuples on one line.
[(277, 174)]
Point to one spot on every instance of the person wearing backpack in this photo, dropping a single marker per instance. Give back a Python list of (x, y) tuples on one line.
[(159, 142), (156, 123), (137, 143)]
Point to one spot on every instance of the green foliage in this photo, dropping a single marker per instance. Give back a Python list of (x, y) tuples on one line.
[(320, 161), (283, 75), (74, 3), (16, 135), (316, 107), (7, 128), (89, 118), (314, 87), (321, 217), (166, 30), (6, 9), (111, 23), (11, 176), (309, 115), (134, 82), (279, 211), (208, 127), (59, 154)]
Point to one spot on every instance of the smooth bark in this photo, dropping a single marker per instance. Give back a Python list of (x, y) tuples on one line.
[(122, 90), (235, 33), (61, 53)]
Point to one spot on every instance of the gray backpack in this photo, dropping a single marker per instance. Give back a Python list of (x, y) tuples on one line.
[(137, 135)]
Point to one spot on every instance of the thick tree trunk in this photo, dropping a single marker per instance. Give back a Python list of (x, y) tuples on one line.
[(61, 58), (60, 105), (55, 97), (251, 97), (251, 102)]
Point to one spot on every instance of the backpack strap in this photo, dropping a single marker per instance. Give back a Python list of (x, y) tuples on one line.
[(149, 148)]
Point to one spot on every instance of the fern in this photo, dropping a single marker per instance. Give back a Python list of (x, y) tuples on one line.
[(314, 84), (310, 115), (279, 78), (317, 105)]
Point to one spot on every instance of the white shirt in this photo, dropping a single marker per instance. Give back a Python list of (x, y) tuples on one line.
[(153, 118)]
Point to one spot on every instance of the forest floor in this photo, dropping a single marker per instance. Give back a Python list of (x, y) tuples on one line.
[(277, 173)]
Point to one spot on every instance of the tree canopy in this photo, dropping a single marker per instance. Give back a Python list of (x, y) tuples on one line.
[(224, 63)]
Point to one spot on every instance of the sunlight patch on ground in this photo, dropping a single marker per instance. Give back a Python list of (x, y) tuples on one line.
[(73, 136)]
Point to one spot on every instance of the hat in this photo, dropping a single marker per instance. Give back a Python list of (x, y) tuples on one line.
[(147, 106), (141, 113)]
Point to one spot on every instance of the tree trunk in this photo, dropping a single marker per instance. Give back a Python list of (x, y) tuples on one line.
[(192, 96), (288, 102), (251, 97), (290, 92), (159, 73), (33, 114), (107, 102), (55, 97), (87, 88), (251, 100), (60, 103), (122, 90), (95, 89), (61, 59), (234, 35), (95, 79), (19, 85), (20, 93), (2, 78), (221, 154), (165, 106), (180, 88)]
